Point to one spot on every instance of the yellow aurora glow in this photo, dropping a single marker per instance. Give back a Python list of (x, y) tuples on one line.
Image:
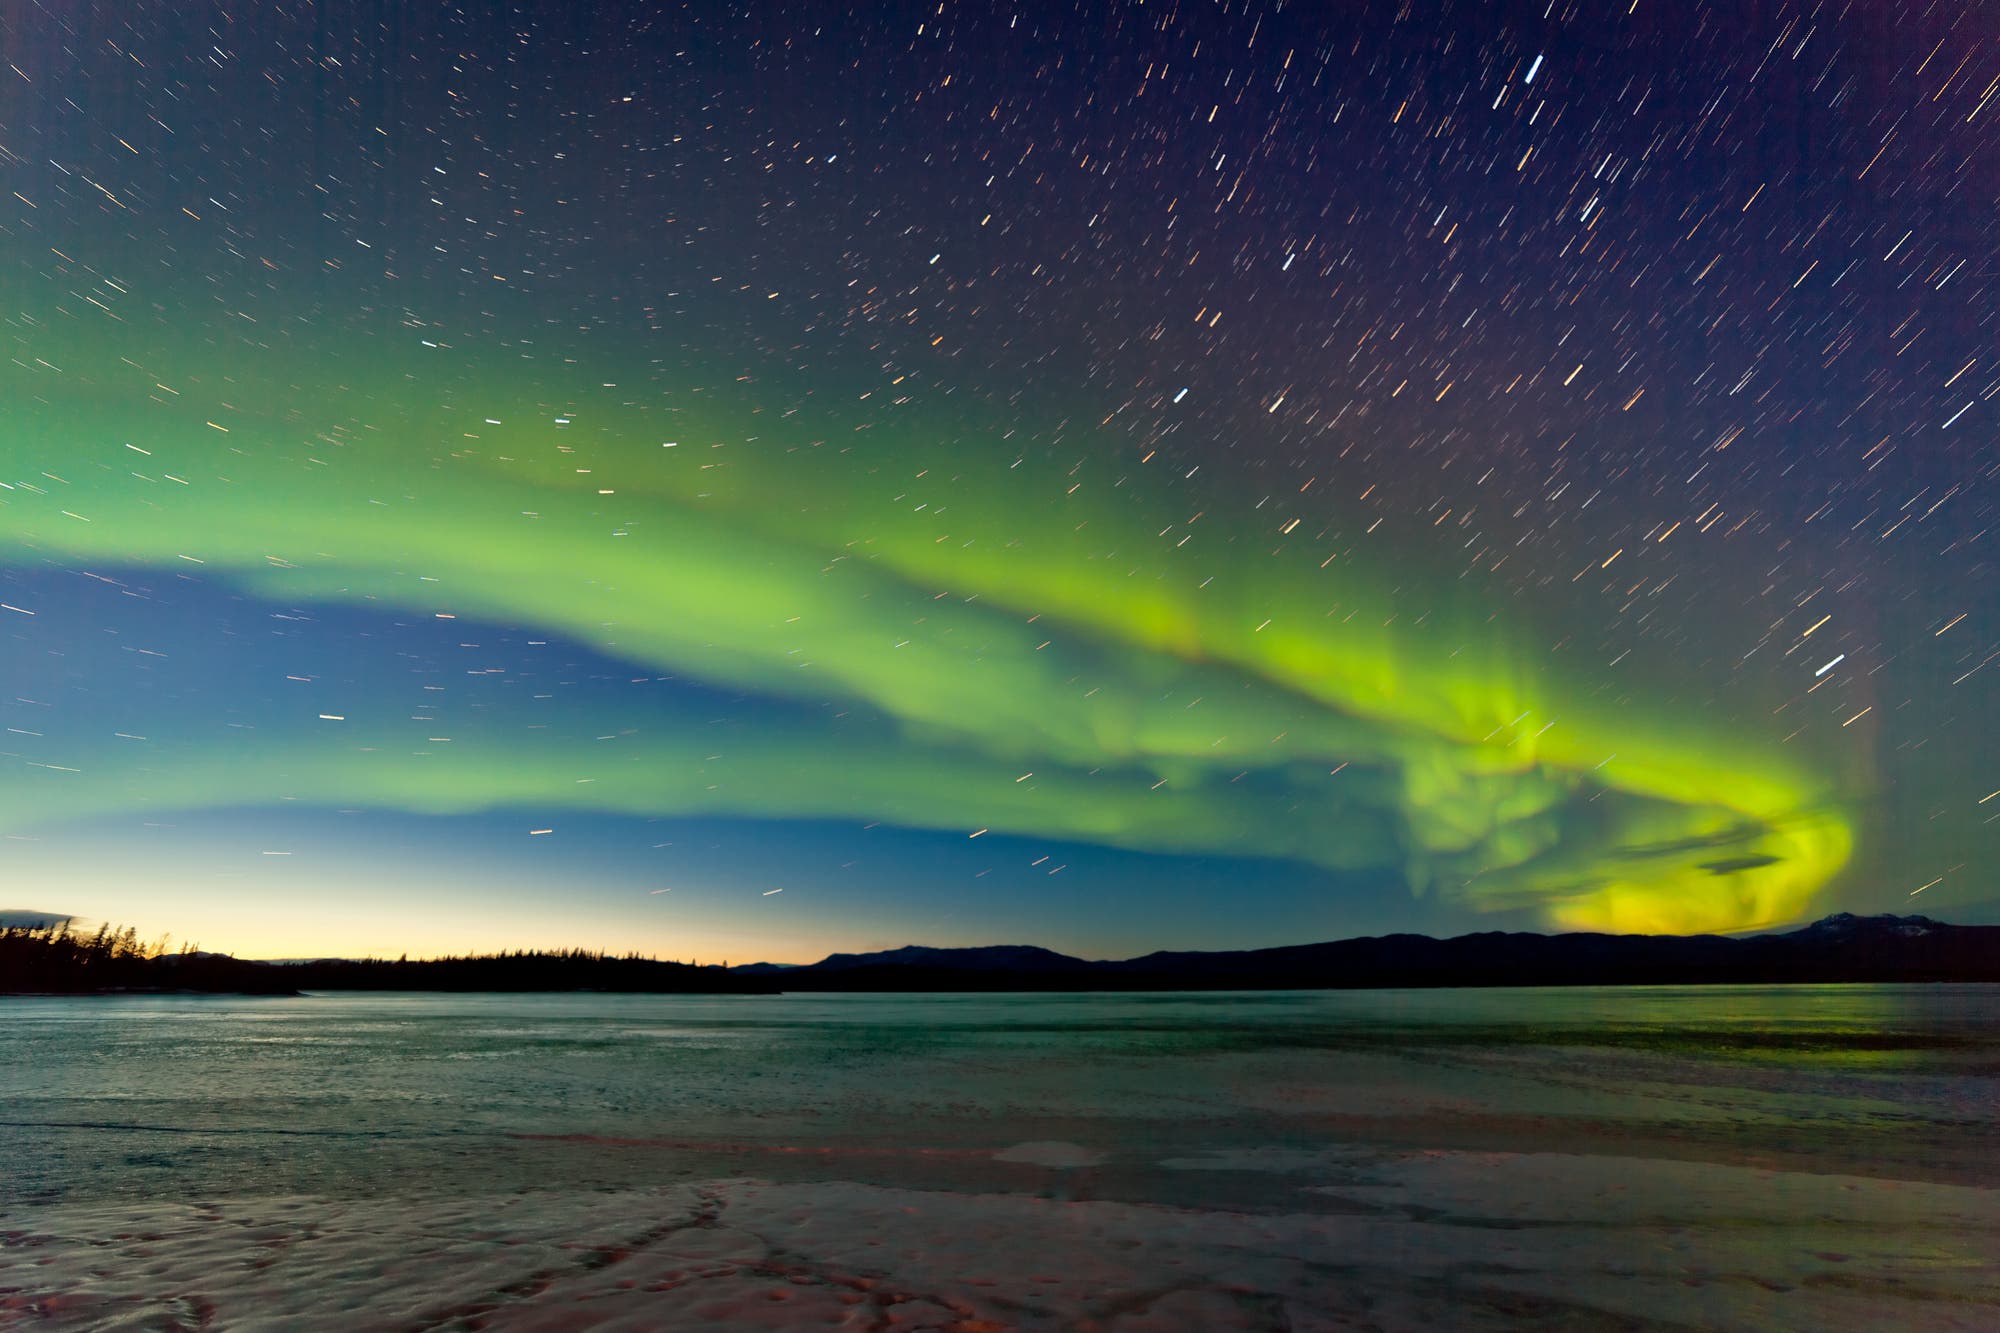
[(1029, 653)]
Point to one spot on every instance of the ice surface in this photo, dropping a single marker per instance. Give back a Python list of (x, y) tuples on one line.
[(1813, 1159), (1719, 1247)]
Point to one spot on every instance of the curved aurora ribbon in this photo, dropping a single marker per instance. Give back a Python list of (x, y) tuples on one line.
[(993, 614)]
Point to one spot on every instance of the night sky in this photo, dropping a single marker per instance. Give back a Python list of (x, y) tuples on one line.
[(749, 482)]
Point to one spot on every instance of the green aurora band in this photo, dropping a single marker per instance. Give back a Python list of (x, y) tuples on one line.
[(1013, 644)]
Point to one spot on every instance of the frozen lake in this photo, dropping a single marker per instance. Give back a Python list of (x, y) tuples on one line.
[(1810, 1157)]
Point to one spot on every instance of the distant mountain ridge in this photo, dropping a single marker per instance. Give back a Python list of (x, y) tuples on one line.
[(1839, 948), (50, 958), (982, 958)]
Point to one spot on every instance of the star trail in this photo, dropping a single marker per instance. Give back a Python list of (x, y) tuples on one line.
[(1161, 476)]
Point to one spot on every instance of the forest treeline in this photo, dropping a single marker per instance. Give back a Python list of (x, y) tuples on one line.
[(54, 959)]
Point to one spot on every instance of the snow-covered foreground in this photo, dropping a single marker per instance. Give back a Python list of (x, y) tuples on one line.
[(1442, 1240), (998, 1163)]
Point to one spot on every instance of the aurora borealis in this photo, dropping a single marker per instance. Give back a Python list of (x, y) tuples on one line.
[(1368, 472)]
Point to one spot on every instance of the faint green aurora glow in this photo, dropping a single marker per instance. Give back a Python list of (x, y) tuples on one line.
[(1022, 651)]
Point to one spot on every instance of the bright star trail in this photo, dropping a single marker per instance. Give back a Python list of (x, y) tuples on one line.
[(1296, 475)]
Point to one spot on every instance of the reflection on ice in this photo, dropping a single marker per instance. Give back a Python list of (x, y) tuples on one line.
[(1805, 1157)]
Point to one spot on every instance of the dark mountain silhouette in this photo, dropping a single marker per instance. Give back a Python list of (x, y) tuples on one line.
[(1843, 948), (987, 958)]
